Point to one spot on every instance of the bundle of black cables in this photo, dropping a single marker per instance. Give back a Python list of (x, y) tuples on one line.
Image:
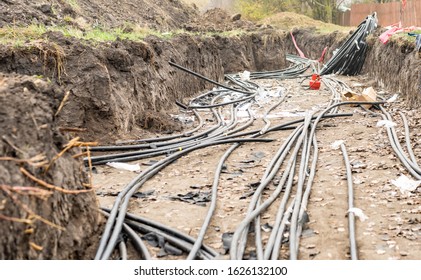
[(349, 58)]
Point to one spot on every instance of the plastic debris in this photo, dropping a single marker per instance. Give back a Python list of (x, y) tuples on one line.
[(406, 184), (385, 36), (245, 76), (198, 198), (124, 166), (393, 98), (337, 144), (358, 165), (359, 213), (262, 96), (144, 194), (385, 123), (156, 240), (267, 228), (418, 42), (315, 82), (184, 118), (226, 241)]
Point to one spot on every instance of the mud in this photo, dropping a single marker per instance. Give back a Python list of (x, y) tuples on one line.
[(28, 107)]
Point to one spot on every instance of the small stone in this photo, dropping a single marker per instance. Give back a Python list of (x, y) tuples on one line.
[(403, 253), (235, 17), (385, 238), (46, 9), (380, 252), (313, 254)]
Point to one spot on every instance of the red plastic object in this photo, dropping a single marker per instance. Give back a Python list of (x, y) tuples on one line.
[(315, 82)]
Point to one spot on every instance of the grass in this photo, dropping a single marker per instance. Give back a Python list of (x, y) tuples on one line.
[(230, 33), (288, 21), (18, 36), (404, 37), (74, 4)]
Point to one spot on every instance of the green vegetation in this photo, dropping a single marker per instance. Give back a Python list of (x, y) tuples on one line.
[(74, 4), (288, 21), (324, 10), (406, 36), (260, 9), (18, 36)]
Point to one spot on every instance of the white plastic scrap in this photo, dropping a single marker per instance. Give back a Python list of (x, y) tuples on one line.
[(392, 99), (359, 213), (337, 144), (386, 123), (262, 96), (406, 184), (124, 166), (245, 76)]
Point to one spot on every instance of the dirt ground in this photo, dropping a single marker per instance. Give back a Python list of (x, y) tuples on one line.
[(157, 14), (57, 88), (393, 227)]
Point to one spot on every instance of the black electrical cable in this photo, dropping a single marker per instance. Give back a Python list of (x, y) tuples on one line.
[(163, 228), (350, 57), (137, 242), (207, 79), (123, 250), (408, 140), (351, 215), (107, 242)]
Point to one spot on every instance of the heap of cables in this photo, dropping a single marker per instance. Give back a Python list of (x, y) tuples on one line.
[(349, 58)]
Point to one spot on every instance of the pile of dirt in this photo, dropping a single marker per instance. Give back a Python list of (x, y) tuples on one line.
[(218, 20), (289, 21), (38, 220), (158, 14)]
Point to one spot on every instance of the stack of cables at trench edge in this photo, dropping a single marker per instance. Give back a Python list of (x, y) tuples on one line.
[(349, 58)]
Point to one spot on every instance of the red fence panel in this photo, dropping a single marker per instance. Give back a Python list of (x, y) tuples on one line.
[(344, 18), (388, 13)]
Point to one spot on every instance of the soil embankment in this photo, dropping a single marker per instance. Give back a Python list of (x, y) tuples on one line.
[(396, 66), (40, 223), (118, 87), (121, 89)]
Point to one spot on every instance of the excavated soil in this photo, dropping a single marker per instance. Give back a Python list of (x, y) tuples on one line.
[(218, 20), (127, 90), (157, 14), (396, 66), (56, 225)]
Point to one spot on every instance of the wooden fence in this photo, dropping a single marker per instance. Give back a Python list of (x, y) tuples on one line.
[(387, 13)]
